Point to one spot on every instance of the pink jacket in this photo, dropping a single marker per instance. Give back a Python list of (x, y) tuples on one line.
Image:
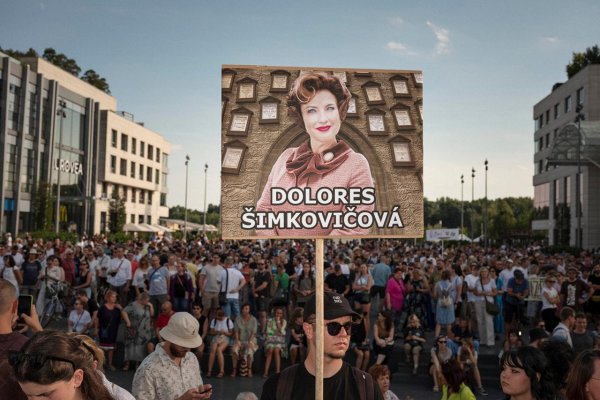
[(353, 172)]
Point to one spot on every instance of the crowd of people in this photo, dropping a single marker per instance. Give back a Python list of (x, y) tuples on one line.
[(247, 298)]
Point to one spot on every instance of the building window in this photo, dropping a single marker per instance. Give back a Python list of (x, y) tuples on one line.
[(123, 169), (132, 171), (103, 221), (150, 195), (157, 154), (133, 145), (157, 177), (149, 174), (113, 164), (124, 141), (150, 152), (556, 111), (141, 175), (140, 219), (568, 104), (142, 148), (113, 140), (125, 190), (568, 191), (163, 199), (14, 101), (27, 167), (133, 193), (132, 218), (540, 166), (148, 219), (11, 168), (142, 194), (163, 182), (548, 139), (547, 116), (33, 101), (540, 144), (541, 201), (104, 190), (580, 95), (538, 122)]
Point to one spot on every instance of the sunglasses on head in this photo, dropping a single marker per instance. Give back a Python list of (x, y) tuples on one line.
[(34, 360), (334, 328)]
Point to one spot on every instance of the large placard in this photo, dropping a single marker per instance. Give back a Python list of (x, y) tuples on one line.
[(328, 164)]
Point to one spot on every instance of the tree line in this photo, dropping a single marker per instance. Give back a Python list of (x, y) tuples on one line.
[(65, 63), (507, 217)]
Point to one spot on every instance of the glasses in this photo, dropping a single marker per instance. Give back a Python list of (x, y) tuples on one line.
[(442, 342), (34, 360), (334, 328)]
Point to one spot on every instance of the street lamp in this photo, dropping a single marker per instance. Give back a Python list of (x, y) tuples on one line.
[(61, 114), (462, 204), (578, 235), (187, 161), (485, 207), (472, 199), (205, 189)]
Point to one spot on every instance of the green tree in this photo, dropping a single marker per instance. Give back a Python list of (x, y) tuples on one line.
[(580, 60), (61, 61), (90, 76), (42, 207), (116, 212), (18, 55)]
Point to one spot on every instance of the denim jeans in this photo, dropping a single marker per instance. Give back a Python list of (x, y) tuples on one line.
[(232, 308), (180, 304)]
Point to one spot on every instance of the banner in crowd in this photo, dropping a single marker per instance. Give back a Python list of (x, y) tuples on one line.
[(536, 284), (321, 152), (433, 235)]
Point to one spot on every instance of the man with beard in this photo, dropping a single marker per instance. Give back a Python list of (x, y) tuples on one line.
[(172, 371), (340, 379)]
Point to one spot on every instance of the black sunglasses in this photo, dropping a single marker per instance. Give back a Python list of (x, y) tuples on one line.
[(34, 360), (334, 328)]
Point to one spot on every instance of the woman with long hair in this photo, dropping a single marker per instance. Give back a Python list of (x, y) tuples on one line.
[(583, 382), (383, 336), (362, 291), (454, 387), (57, 366), (524, 375), (305, 285)]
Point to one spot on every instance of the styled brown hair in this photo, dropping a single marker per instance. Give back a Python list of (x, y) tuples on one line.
[(580, 374), (68, 347), (307, 85)]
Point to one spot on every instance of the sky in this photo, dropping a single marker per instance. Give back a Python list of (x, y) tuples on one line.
[(485, 64)]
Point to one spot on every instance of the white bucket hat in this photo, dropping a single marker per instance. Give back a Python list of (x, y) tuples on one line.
[(182, 330)]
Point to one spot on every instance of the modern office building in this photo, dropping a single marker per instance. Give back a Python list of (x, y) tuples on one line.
[(567, 161), (58, 131)]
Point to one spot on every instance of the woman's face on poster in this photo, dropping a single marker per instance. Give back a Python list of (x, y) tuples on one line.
[(322, 117)]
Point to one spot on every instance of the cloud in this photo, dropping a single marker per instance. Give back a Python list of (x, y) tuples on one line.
[(443, 39), (176, 147), (397, 47), (550, 39), (395, 21)]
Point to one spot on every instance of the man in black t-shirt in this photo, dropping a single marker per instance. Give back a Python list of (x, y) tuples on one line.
[(31, 271), (337, 281), (340, 379)]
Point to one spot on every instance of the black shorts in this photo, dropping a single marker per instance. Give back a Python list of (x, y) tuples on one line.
[(263, 303), (380, 290)]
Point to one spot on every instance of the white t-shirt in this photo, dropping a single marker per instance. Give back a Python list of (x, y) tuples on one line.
[(471, 282), (233, 278), (79, 321), (122, 267), (552, 293), (488, 287), (9, 275), (222, 326)]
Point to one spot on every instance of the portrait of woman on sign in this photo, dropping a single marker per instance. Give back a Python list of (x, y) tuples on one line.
[(332, 177)]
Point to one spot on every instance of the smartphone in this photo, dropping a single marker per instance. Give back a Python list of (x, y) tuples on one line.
[(25, 303), (206, 390)]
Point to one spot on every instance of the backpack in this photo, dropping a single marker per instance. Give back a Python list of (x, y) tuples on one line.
[(445, 299), (287, 377)]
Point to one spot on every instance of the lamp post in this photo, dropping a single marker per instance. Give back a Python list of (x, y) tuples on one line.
[(205, 189), (472, 199), (578, 235), (61, 114), (485, 207), (462, 204), (187, 161)]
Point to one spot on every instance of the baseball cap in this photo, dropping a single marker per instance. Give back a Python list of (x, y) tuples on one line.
[(182, 330), (537, 334), (334, 306)]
